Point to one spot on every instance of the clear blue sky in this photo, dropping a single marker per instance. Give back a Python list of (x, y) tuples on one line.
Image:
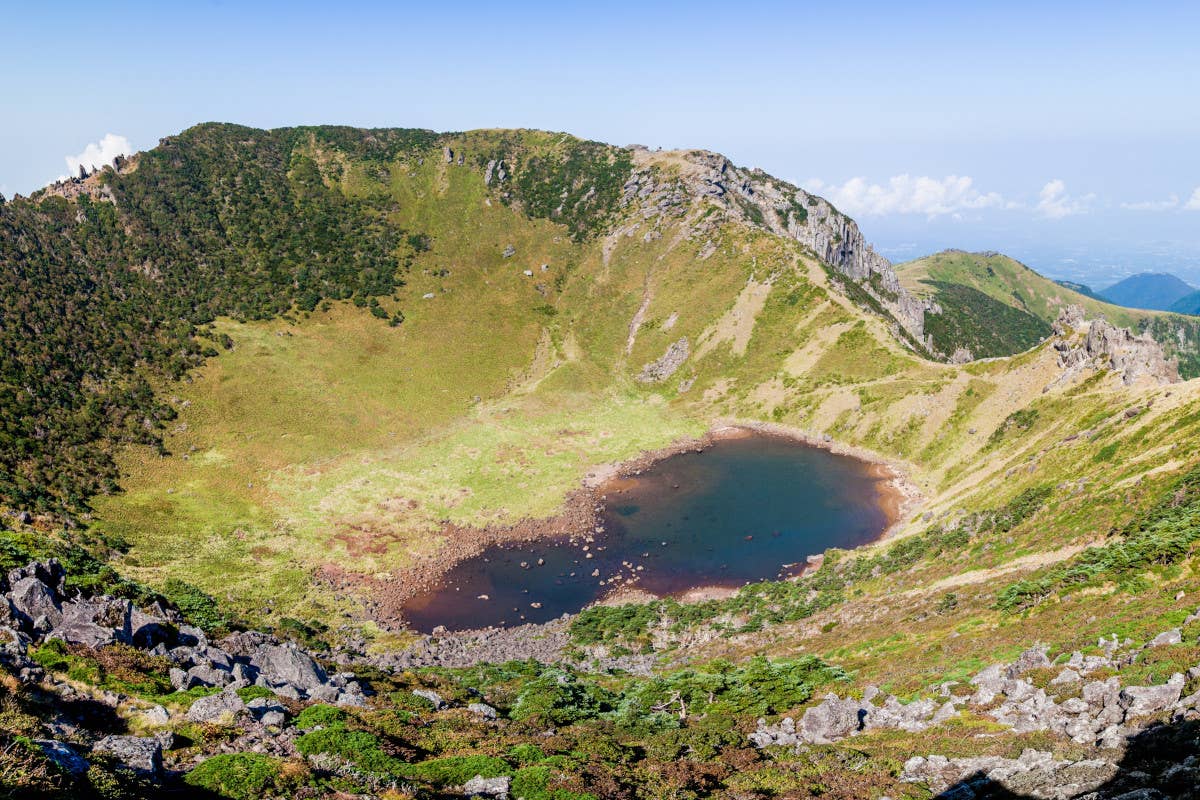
[(1016, 96)]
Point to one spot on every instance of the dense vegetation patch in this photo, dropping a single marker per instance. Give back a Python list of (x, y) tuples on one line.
[(578, 184), (101, 298), (981, 324)]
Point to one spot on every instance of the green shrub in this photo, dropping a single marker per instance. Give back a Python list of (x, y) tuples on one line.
[(201, 609), (320, 715), (526, 753), (457, 770), (1022, 420), (360, 748), (239, 776), (248, 693), (1161, 536), (560, 698)]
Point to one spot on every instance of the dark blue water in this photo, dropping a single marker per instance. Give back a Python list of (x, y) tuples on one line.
[(742, 510)]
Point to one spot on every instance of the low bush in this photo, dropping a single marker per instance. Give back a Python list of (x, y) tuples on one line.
[(238, 776)]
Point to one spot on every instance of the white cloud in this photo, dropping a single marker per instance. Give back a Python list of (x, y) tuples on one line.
[(97, 154), (1153, 205), (1193, 203), (905, 194), (1055, 203)]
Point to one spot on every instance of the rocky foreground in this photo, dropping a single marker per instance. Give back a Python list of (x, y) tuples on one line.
[(1128, 736), (1031, 694)]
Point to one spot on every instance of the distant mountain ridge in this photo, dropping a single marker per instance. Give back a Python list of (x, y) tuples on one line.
[(1082, 288), (993, 305), (1155, 291), (1188, 304)]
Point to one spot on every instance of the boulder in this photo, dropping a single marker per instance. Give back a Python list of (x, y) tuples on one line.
[(152, 634), (35, 603), (480, 786), (267, 711), (206, 675), (1101, 694), (221, 707), (1173, 636), (180, 679), (482, 710), (1141, 700), (1033, 658), (286, 663), (85, 633), (190, 636), (156, 715), (243, 674), (432, 697), (1068, 675), (324, 693), (49, 572), (143, 755), (95, 622), (832, 719), (63, 756)]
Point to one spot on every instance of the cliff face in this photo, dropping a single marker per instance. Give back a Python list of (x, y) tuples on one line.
[(661, 179), (1100, 344)]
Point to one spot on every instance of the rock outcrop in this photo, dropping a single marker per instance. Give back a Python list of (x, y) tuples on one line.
[(40, 610), (664, 367), (1098, 344), (662, 183), (1101, 713)]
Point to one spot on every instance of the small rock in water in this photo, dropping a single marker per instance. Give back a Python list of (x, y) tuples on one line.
[(483, 597)]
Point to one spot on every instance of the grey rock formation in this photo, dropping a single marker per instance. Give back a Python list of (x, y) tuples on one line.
[(1142, 700), (432, 696), (267, 711), (156, 715), (1173, 636), (544, 643), (483, 710), (63, 756), (35, 603), (287, 664), (665, 366), (757, 199), (222, 707), (143, 755), (1033, 658), (488, 787), (209, 675), (1101, 345), (1033, 774)]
